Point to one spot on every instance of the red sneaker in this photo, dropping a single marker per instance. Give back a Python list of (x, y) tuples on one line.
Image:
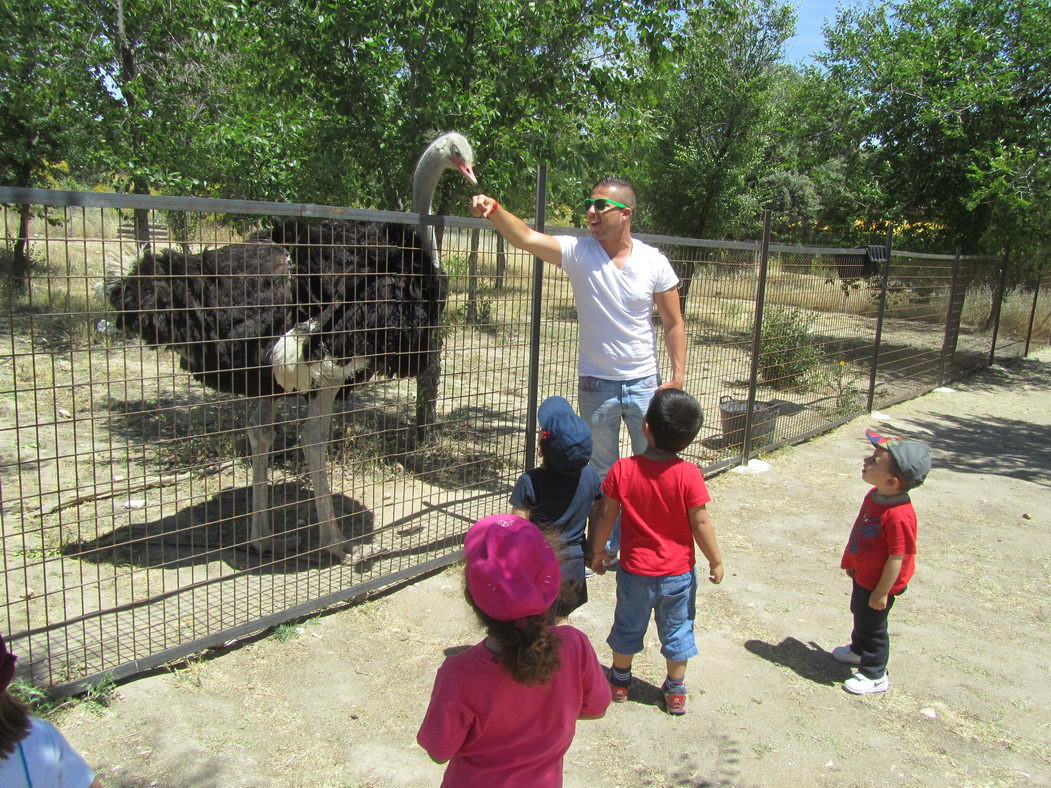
[(620, 694), (675, 703)]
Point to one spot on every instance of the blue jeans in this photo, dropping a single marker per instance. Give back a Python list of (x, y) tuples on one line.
[(672, 601), (603, 405)]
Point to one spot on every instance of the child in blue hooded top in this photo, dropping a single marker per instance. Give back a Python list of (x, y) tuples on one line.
[(558, 495)]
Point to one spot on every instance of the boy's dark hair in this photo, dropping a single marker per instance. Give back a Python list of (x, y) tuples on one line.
[(674, 418)]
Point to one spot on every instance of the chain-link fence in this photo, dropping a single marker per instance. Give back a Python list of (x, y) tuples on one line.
[(130, 479)]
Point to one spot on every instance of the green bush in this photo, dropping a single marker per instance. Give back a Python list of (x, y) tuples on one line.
[(787, 352)]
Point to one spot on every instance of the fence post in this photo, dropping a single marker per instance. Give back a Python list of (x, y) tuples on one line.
[(757, 331), (534, 331), (879, 320), (951, 324), (1032, 317), (472, 279), (997, 304)]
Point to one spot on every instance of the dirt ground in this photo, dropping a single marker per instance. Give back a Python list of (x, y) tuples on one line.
[(338, 701)]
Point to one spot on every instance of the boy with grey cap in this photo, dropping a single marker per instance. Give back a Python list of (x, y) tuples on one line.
[(880, 556), (558, 496)]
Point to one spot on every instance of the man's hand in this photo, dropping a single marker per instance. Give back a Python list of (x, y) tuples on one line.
[(675, 383), (849, 573), (878, 601), (483, 206)]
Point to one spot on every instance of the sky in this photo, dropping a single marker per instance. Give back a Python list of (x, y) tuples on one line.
[(811, 15)]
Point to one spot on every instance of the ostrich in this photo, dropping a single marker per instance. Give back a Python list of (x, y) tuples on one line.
[(311, 310)]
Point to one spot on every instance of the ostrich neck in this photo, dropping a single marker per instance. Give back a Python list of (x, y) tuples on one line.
[(424, 182)]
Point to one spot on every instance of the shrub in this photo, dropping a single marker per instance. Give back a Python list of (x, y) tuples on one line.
[(787, 352)]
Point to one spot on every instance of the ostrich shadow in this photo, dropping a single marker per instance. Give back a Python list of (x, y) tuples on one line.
[(374, 427), (808, 660), (218, 530)]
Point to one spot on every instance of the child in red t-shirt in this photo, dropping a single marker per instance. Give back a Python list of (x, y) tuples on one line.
[(661, 502), (503, 712), (880, 556)]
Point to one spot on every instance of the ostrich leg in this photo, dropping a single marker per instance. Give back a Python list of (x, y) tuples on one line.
[(315, 437), (261, 440)]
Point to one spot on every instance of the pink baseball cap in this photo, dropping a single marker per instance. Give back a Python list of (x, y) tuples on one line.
[(512, 572)]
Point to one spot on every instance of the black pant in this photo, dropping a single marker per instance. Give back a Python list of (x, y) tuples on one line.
[(870, 638)]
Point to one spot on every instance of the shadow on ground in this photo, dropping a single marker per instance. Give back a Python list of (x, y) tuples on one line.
[(807, 660), (218, 530)]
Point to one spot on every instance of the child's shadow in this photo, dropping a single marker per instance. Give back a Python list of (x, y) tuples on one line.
[(808, 660)]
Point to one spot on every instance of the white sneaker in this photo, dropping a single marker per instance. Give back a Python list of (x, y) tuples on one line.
[(846, 655), (863, 685)]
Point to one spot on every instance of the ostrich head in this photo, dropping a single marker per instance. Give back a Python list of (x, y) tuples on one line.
[(450, 151)]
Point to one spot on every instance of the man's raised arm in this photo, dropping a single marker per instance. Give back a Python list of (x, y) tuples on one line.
[(515, 231)]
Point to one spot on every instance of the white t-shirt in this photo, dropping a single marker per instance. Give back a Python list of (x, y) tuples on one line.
[(52, 763), (615, 307)]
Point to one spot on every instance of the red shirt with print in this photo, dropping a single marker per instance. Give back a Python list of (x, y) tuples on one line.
[(880, 531)]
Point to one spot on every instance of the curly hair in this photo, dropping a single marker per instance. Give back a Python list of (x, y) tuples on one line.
[(14, 722), (529, 649)]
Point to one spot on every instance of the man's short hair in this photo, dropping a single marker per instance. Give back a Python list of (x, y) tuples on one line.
[(620, 183), (674, 418)]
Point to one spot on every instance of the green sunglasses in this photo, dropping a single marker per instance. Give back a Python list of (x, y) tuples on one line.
[(601, 204)]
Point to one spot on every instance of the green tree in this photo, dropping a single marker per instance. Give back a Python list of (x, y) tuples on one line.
[(44, 88), (714, 119), (954, 115)]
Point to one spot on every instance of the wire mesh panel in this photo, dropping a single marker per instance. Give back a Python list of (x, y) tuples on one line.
[(1016, 312), (718, 294), (139, 405)]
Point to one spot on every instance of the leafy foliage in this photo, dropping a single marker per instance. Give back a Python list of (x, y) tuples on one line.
[(932, 115), (787, 350)]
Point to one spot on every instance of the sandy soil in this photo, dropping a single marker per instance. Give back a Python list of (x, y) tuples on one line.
[(339, 702)]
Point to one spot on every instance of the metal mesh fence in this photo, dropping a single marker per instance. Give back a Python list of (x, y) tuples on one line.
[(127, 482)]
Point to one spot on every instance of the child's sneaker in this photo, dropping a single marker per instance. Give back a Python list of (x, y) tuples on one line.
[(863, 685), (620, 694), (675, 702), (846, 655)]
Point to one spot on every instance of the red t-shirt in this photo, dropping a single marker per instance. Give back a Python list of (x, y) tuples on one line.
[(497, 732), (881, 531), (655, 497)]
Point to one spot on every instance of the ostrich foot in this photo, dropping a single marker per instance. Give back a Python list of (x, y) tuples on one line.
[(357, 554)]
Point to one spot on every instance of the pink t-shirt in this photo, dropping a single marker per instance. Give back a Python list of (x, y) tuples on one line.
[(497, 732), (655, 497)]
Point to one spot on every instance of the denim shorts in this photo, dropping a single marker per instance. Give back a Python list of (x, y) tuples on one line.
[(672, 600)]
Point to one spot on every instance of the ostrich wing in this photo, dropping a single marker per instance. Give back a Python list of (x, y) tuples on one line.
[(219, 310)]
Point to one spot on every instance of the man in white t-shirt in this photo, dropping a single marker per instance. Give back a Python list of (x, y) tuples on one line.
[(616, 282)]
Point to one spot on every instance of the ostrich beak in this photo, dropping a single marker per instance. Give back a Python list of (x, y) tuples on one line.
[(465, 168)]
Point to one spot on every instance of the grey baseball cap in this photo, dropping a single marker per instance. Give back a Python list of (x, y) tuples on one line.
[(912, 457)]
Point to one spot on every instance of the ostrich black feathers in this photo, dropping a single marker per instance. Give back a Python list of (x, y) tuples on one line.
[(220, 311), (369, 292), (361, 290)]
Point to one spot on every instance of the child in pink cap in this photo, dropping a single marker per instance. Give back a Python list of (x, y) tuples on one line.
[(32, 751), (504, 711)]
